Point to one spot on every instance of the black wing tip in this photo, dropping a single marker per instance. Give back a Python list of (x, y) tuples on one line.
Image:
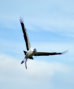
[(65, 52), (21, 20)]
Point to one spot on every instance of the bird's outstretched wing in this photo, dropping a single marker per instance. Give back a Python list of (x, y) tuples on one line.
[(48, 53), (25, 35)]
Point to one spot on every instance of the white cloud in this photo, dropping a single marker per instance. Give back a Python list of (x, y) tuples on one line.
[(38, 74)]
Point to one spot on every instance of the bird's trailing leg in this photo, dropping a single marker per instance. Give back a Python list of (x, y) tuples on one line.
[(26, 63)]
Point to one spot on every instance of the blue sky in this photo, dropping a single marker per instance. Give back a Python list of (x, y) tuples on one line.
[(50, 26)]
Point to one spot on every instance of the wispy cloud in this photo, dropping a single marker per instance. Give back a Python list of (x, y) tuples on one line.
[(56, 16), (49, 15), (38, 73)]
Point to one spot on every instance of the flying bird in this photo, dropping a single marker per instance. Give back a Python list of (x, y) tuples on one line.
[(33, 52)]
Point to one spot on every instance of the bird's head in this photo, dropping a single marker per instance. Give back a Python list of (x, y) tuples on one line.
[(34, 50)]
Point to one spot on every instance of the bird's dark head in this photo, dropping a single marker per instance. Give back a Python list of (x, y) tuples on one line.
[(34, 50)]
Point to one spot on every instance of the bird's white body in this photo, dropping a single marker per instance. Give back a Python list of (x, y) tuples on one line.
[(29, 54)]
